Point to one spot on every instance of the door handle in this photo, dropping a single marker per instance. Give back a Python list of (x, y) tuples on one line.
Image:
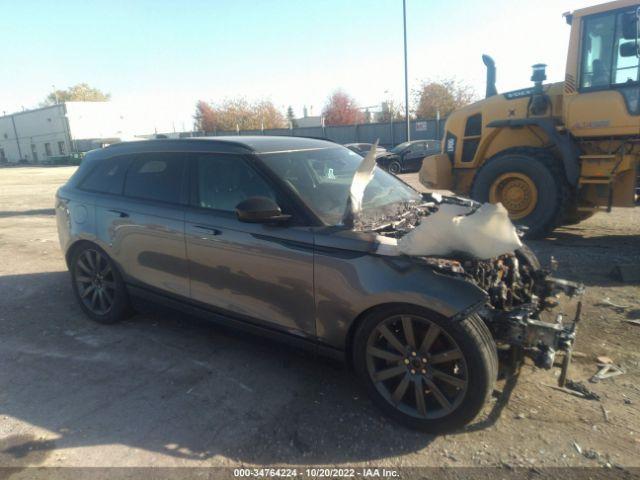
[(120, 213), (207, 230)]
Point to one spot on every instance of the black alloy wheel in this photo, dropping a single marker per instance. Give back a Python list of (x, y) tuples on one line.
[(423, 375), (98, 285), (95, 281), (423, 370)]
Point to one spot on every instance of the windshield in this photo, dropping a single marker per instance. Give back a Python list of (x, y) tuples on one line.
[(322, 178), (399, 148)]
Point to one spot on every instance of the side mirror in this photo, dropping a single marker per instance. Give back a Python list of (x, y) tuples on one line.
[(260, 210), (628, 49)]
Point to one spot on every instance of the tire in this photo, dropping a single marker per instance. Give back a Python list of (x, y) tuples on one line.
[(110, 302), (394, 167), (525, 254), (543, 171), (470, 373), (573, 216)]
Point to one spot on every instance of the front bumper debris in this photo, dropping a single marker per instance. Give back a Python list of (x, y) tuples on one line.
[(538, 339)]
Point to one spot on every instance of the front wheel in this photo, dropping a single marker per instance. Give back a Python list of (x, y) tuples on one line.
[(394, 167), (425, 371)]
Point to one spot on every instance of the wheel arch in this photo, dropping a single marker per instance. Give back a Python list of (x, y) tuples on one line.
[(567, 148), (81, 242), (74, 247)]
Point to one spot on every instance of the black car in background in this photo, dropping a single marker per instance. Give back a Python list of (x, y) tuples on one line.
[(364, 148), (407, 156)]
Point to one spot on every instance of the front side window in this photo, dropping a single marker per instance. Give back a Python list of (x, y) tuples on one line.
[(609, 50), (47, 149), (322, 179), (223, 181), (156, 176)]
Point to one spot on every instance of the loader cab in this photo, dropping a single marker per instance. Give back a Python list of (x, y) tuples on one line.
[(602, 84)]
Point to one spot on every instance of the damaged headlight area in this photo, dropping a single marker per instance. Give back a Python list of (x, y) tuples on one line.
[(480, 244), (519, 294)]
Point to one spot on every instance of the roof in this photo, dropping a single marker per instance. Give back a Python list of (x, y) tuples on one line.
[(604, 7), (230, 144)]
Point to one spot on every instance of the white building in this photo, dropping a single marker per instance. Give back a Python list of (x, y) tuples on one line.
[(58, 130)]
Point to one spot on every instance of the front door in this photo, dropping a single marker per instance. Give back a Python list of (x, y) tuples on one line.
[(413, 158), (260, 273)]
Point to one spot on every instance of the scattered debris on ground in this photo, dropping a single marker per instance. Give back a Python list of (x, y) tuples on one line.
[(607, 370), (581, 388)]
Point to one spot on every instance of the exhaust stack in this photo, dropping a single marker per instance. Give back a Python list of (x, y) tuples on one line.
[(491, 75)]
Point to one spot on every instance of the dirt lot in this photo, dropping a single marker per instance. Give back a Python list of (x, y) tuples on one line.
[(167, 390)]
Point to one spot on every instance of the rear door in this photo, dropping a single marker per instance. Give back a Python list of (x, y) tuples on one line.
[(144, 227), (260, 273)]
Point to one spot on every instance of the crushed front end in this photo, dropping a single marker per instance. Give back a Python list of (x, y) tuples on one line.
[(522, 300)]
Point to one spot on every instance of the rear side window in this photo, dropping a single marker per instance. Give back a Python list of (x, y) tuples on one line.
[(156, 176), (107, 176)]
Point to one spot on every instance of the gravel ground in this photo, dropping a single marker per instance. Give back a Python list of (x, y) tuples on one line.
[(168, 390)]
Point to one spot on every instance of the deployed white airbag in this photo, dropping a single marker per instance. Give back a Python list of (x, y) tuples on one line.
[(485, 233), (361, 179)]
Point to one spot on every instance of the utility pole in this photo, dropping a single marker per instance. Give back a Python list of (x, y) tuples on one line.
[(406, 71)]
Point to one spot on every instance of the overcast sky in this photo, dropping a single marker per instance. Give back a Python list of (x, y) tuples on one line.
[(172, 53)]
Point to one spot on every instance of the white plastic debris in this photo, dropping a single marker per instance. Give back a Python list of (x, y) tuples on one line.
[(485, 233), (361, 179)]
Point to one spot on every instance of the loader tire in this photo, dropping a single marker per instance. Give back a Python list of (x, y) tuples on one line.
[(530, 183), (572, 215)]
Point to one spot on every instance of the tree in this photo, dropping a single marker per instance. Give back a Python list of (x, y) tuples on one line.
[(341, 109), (390, 110), (444, 97), (81, 92), (291, 118), (237, 113), (205, 117)]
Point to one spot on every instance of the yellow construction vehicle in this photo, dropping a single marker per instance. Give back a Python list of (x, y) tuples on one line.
[(554, 154)]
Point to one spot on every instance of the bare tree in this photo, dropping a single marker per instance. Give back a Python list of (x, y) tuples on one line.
[(391, 110)]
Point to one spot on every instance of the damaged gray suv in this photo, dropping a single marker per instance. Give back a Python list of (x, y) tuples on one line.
[(305, 240)]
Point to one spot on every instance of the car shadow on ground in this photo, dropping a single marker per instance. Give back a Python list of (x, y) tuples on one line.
[(179, 386), (27, 213), (589, 260)]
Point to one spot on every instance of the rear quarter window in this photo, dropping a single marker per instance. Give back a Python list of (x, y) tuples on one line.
[(107, 176), (156, 176)]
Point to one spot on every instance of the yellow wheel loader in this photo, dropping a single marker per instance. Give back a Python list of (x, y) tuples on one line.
[(554, 154)]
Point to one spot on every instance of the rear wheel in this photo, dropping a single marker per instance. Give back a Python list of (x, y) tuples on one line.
[(425, 371), (98, 285), (530, 183)]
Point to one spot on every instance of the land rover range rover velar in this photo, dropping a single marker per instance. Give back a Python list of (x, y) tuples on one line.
[(305, 240)]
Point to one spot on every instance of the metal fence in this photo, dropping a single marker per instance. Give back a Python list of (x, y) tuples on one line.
[(388, 134)]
